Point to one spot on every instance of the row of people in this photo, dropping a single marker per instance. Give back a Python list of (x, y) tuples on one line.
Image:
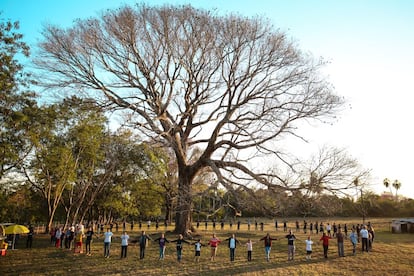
[(214, 243)]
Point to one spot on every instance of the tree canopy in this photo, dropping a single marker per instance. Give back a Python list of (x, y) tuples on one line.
[(230, 85), (17, 112)]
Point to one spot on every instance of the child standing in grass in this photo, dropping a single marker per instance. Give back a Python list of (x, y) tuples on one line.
[(249, 245), (180, 242), (197, 247), (309, 243), (214, 242), (162, 241), (124, 244)]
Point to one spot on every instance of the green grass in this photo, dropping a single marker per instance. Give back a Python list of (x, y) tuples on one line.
[(392, 255)]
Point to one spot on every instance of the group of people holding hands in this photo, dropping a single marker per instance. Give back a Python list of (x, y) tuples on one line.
[(365, 236)]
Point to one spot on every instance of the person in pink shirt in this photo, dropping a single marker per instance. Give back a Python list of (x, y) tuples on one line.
[(214, 242)]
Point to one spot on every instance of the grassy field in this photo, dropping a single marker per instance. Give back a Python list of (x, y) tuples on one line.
[(392, 254)]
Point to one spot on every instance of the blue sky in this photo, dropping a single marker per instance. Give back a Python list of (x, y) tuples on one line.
[(370, 49)]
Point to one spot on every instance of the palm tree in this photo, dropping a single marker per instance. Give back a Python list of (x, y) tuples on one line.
[(387, 183), (397, 185)]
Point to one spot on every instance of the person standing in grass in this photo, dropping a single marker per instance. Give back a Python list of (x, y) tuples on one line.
[(328, 229), (249, 245), (179, 243), (232, 246), (58, 235), (143, 240), (291, 245), (88, 241), (325, 243), (364, 238), (353, 237), (162, 242), (52, 236), (79, 240), (340, 240), (197, 247), (29, 241), (309, 243), (358, 231), (371, 235), (107, 242), (124, 244), (268, 245), (67, 237), (71, 236), (62, 238), (214, 242), (346, 231)]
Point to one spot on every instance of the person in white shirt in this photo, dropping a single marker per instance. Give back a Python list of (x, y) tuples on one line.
[(364, 238), (124, 244), (107, 242), (249, 245), (197, 247), (309, 243), (328, 229)]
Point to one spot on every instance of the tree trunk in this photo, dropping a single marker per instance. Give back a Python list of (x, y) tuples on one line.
[(183, 215), (168, 208), (49, 224)]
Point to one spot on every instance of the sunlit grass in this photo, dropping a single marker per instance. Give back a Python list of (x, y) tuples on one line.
[(392, 255)]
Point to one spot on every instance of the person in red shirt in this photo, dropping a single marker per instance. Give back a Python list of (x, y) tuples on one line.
[(325, 243), (214, 242), (268, 245)]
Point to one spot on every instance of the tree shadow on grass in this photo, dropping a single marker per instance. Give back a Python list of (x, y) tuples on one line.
[(255, 267)]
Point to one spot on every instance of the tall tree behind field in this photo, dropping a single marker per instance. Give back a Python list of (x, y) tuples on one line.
[(228, 85), (66, 157), (87, 136), (17, 106)]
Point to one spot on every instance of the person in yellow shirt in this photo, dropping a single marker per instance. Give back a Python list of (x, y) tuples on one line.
[(78, 241), (3, 247)]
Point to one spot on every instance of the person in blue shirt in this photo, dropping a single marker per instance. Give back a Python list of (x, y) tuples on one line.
[(107, 242), (232, 246), (353, 237)]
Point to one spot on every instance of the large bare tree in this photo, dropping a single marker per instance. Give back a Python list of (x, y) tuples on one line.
[(230, 85)]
